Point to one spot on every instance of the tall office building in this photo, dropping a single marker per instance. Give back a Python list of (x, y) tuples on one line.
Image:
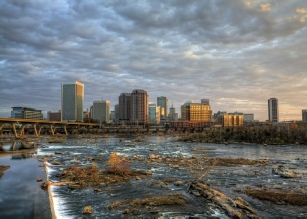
[(153, 113), (72, 101), (101, 111), (196, 112), (173, 116), (139, 107), (304, 115), (273, 110), (124, 102), (116, 109), (163, 103)]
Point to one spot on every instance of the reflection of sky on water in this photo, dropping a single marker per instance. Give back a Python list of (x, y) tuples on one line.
[(20, 194)]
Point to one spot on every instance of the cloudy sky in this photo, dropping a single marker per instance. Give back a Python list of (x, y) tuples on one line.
[(236, 53)]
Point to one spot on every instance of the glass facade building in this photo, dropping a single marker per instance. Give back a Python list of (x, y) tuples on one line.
[(72, 101), (162, 102), (273, 110), (26, 113), (196, 112)]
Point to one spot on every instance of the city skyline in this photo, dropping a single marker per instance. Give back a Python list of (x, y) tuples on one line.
[(238, 54)]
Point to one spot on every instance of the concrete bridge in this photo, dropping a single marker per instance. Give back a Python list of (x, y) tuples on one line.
[(19, 125)]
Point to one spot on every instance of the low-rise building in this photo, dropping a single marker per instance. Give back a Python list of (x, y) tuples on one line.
[(54, 116), (26, 113)]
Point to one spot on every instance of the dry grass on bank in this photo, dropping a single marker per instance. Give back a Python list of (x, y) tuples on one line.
[(277, 197), (2, 169)]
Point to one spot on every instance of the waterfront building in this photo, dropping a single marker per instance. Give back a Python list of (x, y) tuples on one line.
[(304, 115), (248, 117), (163, 103), (54, 116), (232, 119), (139, 107), (101, 111), (196, 112), (72, 100), (26, 113), (273, 110), (217, 116), (124, 102), (154, 113)]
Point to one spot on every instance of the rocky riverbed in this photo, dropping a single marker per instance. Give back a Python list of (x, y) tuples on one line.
[(170, 179)]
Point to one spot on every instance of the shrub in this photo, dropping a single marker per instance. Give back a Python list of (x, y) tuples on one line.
[(119, 164)]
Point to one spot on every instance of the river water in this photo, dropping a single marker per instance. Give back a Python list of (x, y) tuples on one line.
[(68, 203), (20, 194)]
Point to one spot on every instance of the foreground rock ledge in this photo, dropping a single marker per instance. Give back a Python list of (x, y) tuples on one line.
[(236, 207)]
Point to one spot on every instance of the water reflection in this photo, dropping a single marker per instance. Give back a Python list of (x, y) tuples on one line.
[(16, 146), (20, 194), (21, 156)]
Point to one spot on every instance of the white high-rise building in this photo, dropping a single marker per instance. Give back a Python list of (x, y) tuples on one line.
[(273, 110), (101, 111), (72, 101)]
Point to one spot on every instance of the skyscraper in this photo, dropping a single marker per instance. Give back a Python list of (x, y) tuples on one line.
[(163, 103), (72, 101), (124, 101), (273, 110), (139, 107), (101, 111), (154, 113), (173, 116), (304, 115)]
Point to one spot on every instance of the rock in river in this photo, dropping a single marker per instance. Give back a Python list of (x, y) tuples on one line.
[(284, 172)]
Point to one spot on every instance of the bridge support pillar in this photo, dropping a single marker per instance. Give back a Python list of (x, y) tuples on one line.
[(65, 130), (52, 129), (1, 126), (22, 130), (35, 130)]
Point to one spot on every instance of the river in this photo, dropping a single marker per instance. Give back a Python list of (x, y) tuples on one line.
[(68, 203)]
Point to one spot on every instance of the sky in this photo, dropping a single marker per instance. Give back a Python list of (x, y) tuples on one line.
[(237, 53)]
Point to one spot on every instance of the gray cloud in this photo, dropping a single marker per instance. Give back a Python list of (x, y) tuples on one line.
[(237, 53)]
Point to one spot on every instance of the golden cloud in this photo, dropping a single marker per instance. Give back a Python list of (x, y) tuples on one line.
[(265, 7), (301, 10)]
